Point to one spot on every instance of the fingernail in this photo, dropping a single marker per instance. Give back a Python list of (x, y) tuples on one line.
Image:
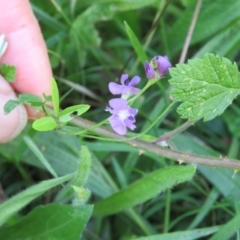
[(13, 123)]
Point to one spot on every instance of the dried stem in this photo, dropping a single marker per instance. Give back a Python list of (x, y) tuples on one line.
[(144, 146), (190, 32)]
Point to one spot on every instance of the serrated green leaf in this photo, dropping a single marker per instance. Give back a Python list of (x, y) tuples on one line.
[(8, 72), (30, 99), (205, 86), (65, 115), (138, 192), (55, 97), (44, 124), (136, 44), (14, 204), (10, 105), (53, 221)]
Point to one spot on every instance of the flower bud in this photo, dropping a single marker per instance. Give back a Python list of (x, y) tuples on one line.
[(162, 64), (149, 71)]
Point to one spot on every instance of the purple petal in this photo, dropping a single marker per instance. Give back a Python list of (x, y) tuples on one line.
[(108, 109), (130, 90), (130, 124), (149, 71), (135, 80), (124, 77), (115, 88), (117, 125), (163, 64), (132, 111), (118, 103)]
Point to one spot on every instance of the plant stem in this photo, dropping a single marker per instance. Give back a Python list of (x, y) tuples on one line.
[(145, 146), (166, 136), (190, 32)]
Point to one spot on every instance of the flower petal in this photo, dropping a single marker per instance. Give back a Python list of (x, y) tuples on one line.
[(132, 111), (149, 70), (117, 125), (163, 64), (118, 103), (135, 80), (130, 90), (115, 88), (129, 122), (124, 77)]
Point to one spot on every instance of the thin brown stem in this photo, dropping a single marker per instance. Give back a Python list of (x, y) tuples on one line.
[(190, 32), (166, 136), (144, 146)]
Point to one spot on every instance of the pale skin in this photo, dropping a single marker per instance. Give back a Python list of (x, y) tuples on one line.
[(27, 51)]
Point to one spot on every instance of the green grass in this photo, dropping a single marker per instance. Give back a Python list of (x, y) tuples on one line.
[(89, 45)]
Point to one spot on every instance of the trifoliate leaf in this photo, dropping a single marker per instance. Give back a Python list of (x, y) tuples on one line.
[(8, 72), (44, 124), (10, 105), (206, 87)]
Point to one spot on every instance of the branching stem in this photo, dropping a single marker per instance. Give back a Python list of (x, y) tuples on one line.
[(144, 146), (166, 136)]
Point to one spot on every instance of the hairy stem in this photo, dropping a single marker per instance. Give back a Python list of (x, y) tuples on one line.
[(144, 146)]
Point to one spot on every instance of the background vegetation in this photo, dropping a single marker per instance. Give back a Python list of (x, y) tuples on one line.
[(88, 47)]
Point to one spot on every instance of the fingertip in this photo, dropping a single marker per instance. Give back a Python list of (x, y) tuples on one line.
[(13, 123)]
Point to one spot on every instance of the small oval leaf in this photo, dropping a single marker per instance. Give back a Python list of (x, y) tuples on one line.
[(65, 115), (44, 124), (55, 97), (10, 105)]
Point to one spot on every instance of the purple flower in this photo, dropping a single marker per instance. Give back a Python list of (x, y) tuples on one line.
[(149, 71), (122, 117), (162, 63), (126, 88)]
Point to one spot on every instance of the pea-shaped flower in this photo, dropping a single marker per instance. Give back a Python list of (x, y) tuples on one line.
[(126, 88), (123, 116)]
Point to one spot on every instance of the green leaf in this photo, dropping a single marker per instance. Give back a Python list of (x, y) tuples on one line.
[(183, 235), (8, 72), (65, 115), (10, 105), (30, 99), (139, 192), (227, 230), (54, 221), (136, 44), (205, 86), (44, 124), (55, 97), (33, 147), (14, 204)]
